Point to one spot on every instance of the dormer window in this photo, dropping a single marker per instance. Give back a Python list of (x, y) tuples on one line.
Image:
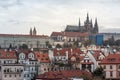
[(22, 56), (31, 55)]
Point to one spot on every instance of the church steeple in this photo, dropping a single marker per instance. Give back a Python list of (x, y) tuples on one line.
[(30, 31), (79, 24), (96, 26), (91, 25), (87, 20), (34, 31)]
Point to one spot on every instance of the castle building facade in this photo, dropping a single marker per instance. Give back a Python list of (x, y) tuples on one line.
[(79, 33), (32, 40), (87, 27)]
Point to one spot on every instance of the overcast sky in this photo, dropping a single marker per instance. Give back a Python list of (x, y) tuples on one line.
[(18, 16)]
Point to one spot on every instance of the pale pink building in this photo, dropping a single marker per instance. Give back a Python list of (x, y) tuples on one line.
[(44, 62), (111, 65)]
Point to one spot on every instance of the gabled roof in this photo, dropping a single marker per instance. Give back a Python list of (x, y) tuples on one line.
[(111, 59), (56, 34), (26, 52), (96, 54), (42, 57), (63, 51)]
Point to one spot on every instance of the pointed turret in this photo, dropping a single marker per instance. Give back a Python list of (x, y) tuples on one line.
[(30, 31), (96, 26), (87, 20), (34, 31), (79, 24), (91, 24)]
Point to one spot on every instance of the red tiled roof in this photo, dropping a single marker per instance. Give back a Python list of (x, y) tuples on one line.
[(26, 52), (111, 59), (75, 34), (62, 52), (64, 74), (7, 54), (70, 34), (42, 57), (96, 54), (56, 34), (81, 57)]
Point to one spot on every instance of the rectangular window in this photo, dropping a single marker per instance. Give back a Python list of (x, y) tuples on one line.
[(111, 73), (5, 75), (10, 75), (104, 66), (19, 75), (119, 74), (119, 67), (110, 66)]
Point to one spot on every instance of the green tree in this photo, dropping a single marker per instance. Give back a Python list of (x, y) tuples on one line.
[(10, 46), (76, 44), (48, 45), (98, 71), (58, 46), (24, 46)]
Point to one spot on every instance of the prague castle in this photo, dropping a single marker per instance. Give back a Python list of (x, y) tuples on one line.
[(87, 27), (79, 33)]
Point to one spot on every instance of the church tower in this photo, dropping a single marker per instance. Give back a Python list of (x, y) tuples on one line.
[(34, 31), (87, 20), (30, 31), (87, 24), (96, 30), (79, 24), (91, 26)]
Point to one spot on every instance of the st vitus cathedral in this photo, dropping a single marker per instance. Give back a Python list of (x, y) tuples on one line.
[(87, 27)]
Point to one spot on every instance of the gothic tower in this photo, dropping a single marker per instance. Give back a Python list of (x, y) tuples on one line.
[(96, 30), (87, 24), (34, 31), (87, 20), (91, 26), (79, 24), (30, 31)]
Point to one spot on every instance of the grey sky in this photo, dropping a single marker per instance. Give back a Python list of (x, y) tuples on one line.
[(17, 16)]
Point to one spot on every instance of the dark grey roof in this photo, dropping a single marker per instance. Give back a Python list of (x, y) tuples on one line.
[(72, 28)]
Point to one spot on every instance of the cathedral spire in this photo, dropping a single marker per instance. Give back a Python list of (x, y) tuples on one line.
[(87, 20), (91, 24), (79, 24), (96, 26), (30, 31), (34, 31)]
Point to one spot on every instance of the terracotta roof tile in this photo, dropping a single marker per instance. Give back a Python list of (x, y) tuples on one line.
[(70, 34), (7, 54), (42, 57), (62, 52), (111, 59), (64, 74)]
